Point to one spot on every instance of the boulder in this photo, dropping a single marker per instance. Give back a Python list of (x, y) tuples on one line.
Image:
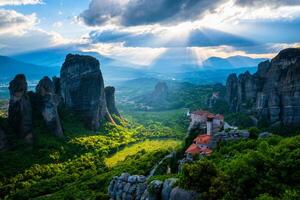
[(167, 188), (82, 89), (20, 110), (154, 190), (49, 102), (140, 190), (124, 177), (127, 187), (179, 194)]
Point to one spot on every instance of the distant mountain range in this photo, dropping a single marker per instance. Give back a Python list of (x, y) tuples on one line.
[(182, 67), (215, 63), (203, 77), (9, 67)]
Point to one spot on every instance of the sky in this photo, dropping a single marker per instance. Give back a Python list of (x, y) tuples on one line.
[(140, 31)]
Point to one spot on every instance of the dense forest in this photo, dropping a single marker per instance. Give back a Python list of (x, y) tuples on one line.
[(80, 166)]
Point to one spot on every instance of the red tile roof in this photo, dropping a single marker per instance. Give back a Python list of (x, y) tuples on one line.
[(208, 114), (197, 149), (202, 139), (193, 149)]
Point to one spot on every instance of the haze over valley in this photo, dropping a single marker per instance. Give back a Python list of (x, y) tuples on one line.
[(149, 99)]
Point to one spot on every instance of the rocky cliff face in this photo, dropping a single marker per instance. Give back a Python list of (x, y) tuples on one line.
[(20, 110), (272, 93), (127, 187), (49, 102), (111, 102), (25, 107), (135, 187), (82, 89)]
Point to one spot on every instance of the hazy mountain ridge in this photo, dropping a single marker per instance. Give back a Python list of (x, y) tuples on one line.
[(231, 62), (9, 67), (167, 66)]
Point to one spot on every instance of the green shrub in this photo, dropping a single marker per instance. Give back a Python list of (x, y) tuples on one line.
[(254, 131)]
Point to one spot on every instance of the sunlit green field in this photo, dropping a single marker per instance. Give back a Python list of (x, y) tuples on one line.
[(147, 146)]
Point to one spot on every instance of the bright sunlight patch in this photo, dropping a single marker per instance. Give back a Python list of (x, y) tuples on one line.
[(148, 146)]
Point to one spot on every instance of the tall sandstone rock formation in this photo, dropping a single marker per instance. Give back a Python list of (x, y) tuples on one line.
[(82, 89), (48, 103), (20, 110), (111, 101), (272, 93), (27, 106)]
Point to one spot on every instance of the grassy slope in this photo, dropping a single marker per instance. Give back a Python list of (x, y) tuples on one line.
[(147, 146), (75, 167)]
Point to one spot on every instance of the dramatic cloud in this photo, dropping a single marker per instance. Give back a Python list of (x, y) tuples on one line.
[(139, 12), (19, 33), (28, 41), (148, 12), (12, 21), (145, 12), (102, 11), (19, 2)]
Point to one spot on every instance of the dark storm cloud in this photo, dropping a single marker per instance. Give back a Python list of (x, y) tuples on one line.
[(140, 12), (155, 11), (196, 38), (101, 11)]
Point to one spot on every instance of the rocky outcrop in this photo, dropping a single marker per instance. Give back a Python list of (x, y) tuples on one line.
[(167, 188), (232, 92), (154, 190), (158, 99), (82, 89), (127, 187), (272, 93), (49, 101), (161, 89), (213, 99), (56, 84), (27, 106), (111, 102), (20, 110)]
